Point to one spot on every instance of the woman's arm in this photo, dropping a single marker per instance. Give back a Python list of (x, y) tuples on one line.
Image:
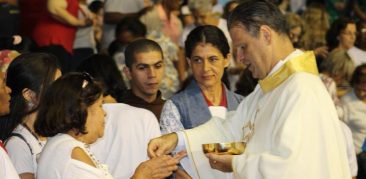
[(170, 118), (57, 8)]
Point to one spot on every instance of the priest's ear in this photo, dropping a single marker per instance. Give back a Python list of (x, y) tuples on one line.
[(266, 34)]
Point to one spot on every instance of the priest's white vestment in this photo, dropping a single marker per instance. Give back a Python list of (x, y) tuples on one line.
[(291, 126)]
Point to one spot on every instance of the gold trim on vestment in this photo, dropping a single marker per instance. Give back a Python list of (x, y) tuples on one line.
[(303, 63)]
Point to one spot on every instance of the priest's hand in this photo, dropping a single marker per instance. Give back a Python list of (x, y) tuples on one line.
[(220, 162), (162, 145)]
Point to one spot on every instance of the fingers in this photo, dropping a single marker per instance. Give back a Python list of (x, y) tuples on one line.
[(152, 147), (162, 145), (180, 155), (163, 166)]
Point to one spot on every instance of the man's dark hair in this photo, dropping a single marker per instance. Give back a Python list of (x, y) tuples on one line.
[(104, 69), (252, 14), (360, 72), (133, 25), (138, 46), (64, 106)]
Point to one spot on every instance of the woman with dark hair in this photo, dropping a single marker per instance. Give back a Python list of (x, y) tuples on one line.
[(71, 115), (104, 69), (208, 53), (7, 168), (28, 76)]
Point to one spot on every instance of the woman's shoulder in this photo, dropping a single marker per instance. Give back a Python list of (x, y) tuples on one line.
[(62, 142)]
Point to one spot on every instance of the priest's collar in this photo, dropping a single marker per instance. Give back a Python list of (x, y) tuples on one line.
[(297, 61)]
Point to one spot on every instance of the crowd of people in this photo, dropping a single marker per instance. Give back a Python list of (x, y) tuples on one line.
[(133, 88)]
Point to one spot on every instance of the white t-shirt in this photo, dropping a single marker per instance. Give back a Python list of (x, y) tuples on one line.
[(56, 162), (20, 153), (7, 170), (127, 133), (355, 119)]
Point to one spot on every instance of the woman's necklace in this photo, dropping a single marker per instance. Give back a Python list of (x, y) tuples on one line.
[(95, 161), (33, 134)]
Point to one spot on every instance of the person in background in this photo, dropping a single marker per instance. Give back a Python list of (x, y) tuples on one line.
[(104, 69), (342, 35), (296, 28), (96, 7), (316, 25), (56, 29), (361, 39), (161, 19), (340, 67), (7, 169), (115, 11), (355, 102), (84, 44), (128, 30), (28, 76), (145, 69)]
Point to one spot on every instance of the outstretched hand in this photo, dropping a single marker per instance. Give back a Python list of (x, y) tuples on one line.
[(162, 145), (159, 167)]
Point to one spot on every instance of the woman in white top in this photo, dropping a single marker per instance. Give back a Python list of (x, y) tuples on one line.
[(28, 76), (71, 115)]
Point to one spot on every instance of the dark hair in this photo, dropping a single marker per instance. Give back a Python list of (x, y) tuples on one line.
[(96, 6), (335, 30), (104, 69), (359, 72), (65, 103), (35, 71), (207, 34), (115, 47), (138, 46), (227, 7), (252, 14), (133, 25)]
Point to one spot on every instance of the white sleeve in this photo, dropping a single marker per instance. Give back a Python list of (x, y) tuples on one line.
[(152, 126), (7, 169), (170, 118), (20, 155)]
